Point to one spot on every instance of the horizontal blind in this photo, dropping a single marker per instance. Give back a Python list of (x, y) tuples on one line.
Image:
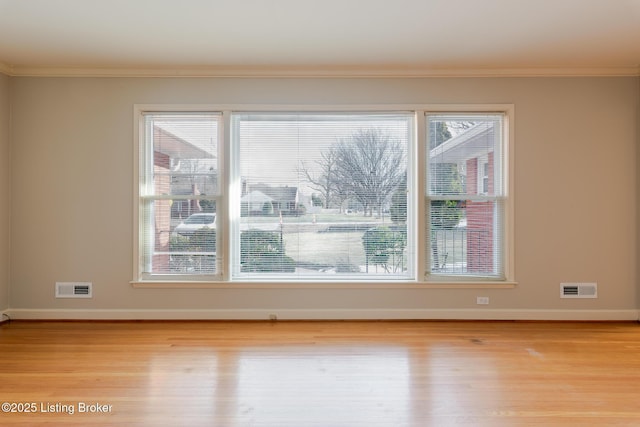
[(465, 194), (322, 194), (179, 193)]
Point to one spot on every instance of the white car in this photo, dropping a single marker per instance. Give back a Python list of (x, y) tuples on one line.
[(196, 222)]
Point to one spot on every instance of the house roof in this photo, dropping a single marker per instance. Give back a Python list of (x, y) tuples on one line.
[(176, 147), (327, 37), (465, 145), (279, 194), (256, 197)]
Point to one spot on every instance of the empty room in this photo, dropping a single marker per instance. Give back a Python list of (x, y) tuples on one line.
[(319, 213)]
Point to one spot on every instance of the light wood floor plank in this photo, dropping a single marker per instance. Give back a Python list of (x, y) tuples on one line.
[(320, 373)]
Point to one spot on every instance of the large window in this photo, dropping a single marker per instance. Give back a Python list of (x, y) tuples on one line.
[(322, 195), (297, 195)]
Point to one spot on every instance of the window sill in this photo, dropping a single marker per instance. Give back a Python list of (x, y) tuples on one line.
[(324, 285)]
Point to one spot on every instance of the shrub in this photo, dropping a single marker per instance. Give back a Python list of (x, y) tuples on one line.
[(384, 246), (263, 251), (202, 240)]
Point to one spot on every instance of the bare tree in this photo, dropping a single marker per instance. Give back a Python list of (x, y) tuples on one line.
[(370, 165), (325, 181)]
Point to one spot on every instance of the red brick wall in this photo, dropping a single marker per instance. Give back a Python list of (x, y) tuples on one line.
[(479, 222)]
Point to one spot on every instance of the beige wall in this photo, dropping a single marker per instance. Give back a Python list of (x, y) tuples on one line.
[(575, 183), (5, 192)]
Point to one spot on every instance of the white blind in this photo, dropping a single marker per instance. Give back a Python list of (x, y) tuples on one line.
[(465, 194), (179, 193), (322, 194)]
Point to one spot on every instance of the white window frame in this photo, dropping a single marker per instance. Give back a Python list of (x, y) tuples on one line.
[(143, 164), (234, 200), (416, 175), (503, 220)]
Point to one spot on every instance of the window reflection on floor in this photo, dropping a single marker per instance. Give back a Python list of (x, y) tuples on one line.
[(306, 386), (446, 380), (288, 384), (189, 379)]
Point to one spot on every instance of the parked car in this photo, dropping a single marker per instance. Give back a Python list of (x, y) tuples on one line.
[(196, 222)]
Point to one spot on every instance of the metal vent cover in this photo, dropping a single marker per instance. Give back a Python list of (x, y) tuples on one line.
[(578, 290), (74, 290)]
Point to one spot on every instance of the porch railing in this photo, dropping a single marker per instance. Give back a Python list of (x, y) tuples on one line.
[(450, 251)]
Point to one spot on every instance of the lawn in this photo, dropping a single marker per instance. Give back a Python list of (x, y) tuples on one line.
[(326, 242)]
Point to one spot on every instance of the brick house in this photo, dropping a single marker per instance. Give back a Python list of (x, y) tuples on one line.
[(283, 200)]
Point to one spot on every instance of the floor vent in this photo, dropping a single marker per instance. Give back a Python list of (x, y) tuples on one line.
[(74, 290), (578, 290)]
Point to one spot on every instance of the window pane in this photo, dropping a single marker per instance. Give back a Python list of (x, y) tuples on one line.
[(185, 160), (464, 237), (464, 155), (181, 238), (179, 186), (322, 194), (465, 194)]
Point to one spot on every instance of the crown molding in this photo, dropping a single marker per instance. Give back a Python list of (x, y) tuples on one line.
[(319, 72)]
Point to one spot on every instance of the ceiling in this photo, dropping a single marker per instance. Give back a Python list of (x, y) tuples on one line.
[(320, 37)]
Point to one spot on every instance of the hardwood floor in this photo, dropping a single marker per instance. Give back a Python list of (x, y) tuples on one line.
[(320, 373)]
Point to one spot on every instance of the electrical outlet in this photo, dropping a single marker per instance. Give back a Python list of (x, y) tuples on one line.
[(482, 300)]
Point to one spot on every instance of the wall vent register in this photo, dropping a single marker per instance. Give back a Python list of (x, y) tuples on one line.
[(74, 290)]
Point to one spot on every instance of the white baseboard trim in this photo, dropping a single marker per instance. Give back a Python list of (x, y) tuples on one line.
[(322, 314)]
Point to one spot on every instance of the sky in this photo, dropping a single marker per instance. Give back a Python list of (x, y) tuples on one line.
[(272, 151)]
